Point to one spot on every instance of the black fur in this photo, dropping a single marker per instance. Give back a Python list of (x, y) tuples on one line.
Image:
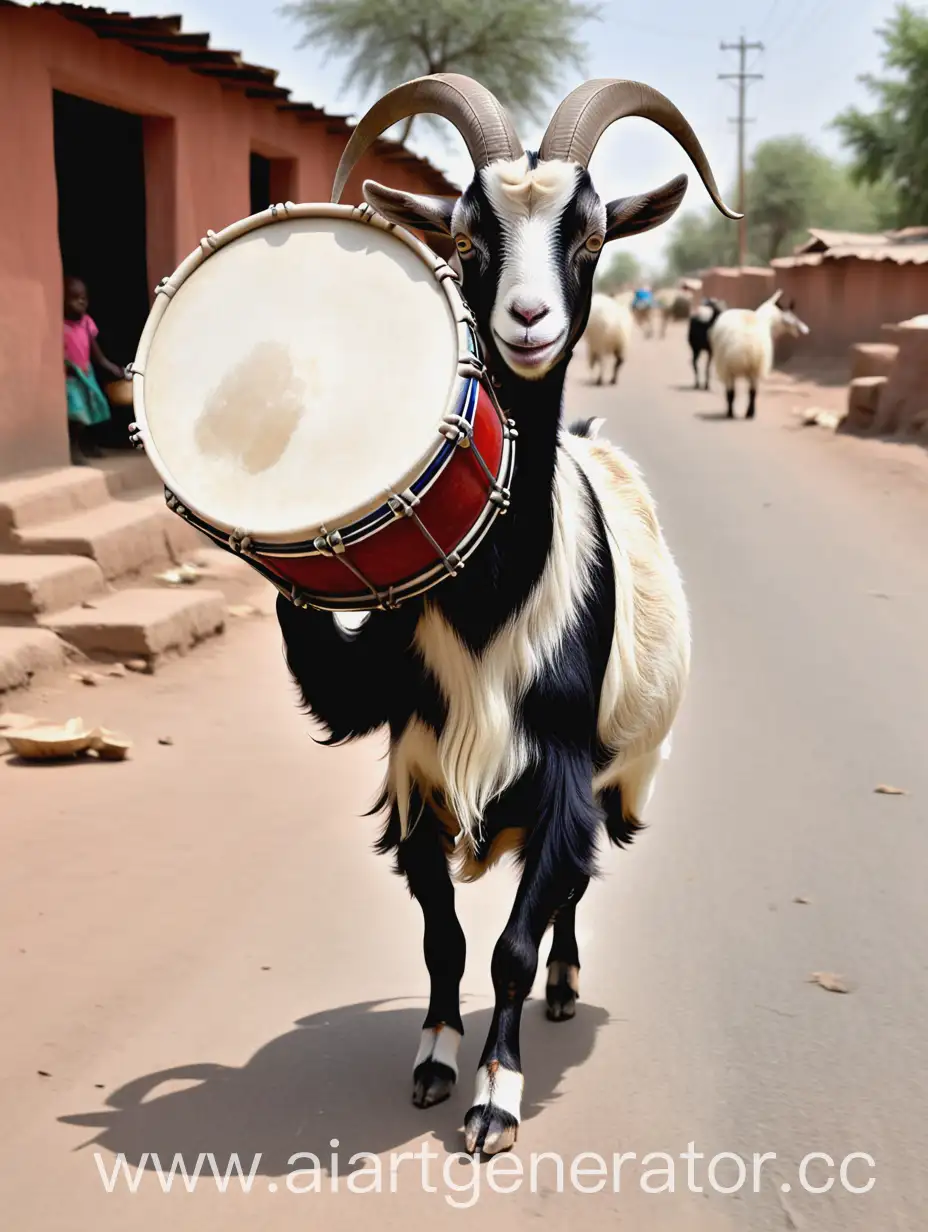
[(698, 337), (356, 683)]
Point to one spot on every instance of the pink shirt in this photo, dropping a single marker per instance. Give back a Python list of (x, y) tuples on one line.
[(77, 339)]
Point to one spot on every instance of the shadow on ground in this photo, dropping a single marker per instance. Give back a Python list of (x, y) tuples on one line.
[(345, 1073)]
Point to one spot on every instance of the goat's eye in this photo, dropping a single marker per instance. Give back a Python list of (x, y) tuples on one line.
[(594, 243), (462, 243)]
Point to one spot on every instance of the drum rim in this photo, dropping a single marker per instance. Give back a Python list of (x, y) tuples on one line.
[(432, 460)]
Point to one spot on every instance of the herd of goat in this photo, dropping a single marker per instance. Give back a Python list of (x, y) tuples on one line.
[(737, 342)]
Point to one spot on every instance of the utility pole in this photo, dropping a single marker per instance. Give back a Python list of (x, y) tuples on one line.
[(742, 77)]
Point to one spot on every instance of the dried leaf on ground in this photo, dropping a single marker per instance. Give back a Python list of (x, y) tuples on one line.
[(243, 609), (829, 981), (137, 665), (184, 575), (166, 740), (117, 671), (801, 900), (91, 679), (884, 789)]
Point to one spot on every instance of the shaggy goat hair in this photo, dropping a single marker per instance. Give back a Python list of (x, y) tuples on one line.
[(529, 700), (742, 343)]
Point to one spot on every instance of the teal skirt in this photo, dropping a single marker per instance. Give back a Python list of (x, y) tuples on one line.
[(87, 402)]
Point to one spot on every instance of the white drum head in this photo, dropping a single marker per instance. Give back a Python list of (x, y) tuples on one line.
[(297, 375)]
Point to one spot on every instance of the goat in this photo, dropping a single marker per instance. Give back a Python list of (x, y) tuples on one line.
[(607, 334), (673, 304), (701, 322), (528, 700), (742, 341)]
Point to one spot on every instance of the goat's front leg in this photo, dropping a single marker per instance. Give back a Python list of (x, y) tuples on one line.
[(422, 858), (563, 986), (557, 863)]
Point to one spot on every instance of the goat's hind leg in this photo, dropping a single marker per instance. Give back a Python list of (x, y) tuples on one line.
[(422, 858), (752, 400), (563, 985)]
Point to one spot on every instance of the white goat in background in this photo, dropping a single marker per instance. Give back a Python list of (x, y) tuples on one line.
[(607, 333), (742, 342)]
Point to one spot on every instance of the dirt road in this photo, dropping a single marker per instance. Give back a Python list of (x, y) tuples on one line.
[(199, 952)]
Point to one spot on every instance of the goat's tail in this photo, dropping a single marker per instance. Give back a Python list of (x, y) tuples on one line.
[(589, 428)]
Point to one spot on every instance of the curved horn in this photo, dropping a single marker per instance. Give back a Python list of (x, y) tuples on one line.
[(587, 112), (473, 110)]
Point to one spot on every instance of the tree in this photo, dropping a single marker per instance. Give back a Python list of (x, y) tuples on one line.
[(518, 49), (699, 241), (790, 187), (621, 269), (890, 145)]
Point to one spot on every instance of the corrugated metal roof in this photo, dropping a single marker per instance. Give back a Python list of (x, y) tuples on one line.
[(164, 37)]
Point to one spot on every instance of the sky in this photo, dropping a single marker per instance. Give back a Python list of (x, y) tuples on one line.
[(814, 51)]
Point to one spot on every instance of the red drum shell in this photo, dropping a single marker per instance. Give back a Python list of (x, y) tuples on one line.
[(450, 510)]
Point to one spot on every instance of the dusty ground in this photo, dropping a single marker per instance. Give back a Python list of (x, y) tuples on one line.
[(200, 953)]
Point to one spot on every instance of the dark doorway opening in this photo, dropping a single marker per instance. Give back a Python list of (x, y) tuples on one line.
[(271, 180), (260, 183), (100, 169)]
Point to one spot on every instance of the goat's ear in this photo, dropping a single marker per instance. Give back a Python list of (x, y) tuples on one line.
[(410, 209), (632, 215)]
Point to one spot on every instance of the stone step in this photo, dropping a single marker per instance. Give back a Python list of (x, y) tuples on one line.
[(123, 537), (26, 651), (49, 495), (141, 624), (31, 586)]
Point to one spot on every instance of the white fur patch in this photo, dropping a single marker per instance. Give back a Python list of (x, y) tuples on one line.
[(649, 661), (482, 751), (439, 1044), (528, 205), (500, 1087)]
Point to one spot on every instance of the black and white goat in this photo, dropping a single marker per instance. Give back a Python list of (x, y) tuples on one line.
[(701, 321), (529, 700)]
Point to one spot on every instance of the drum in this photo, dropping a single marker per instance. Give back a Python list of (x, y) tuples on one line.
[(309, 388)]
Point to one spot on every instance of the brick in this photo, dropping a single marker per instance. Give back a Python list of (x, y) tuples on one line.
[(123, 537), (143, 623), (26, 651), (33, 585), (45, 496)]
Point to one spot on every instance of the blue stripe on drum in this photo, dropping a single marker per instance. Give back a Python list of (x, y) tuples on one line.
[(383, 515)]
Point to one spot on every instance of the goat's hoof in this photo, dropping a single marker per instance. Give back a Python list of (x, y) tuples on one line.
[(432, 1083), (489, 1129), (561, 991)]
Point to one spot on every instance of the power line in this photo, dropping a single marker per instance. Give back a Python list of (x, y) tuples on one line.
[(742, 77)]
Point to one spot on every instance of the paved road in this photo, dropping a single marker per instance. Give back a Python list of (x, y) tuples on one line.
[(201, 952)]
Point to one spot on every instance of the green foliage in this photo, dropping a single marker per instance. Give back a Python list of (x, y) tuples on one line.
[(620, 270), (518, 49), (890, 145), (699, 241), (790, 186), (793, 186)]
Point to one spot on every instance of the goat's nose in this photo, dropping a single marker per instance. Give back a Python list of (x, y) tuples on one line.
[(528, 311)]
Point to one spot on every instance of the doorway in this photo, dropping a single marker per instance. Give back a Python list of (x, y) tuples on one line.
[(271, 180), (100, 172)]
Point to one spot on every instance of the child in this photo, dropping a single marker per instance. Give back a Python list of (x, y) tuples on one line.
[(87, 404)]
